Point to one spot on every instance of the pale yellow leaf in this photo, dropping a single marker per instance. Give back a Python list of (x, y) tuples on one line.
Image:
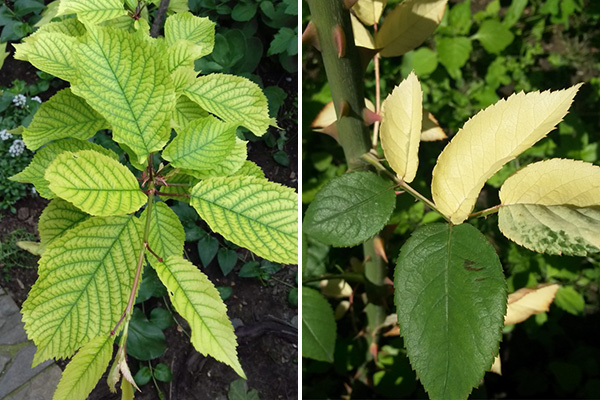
[(362, 36), (408, 25), (430, 129), (335, 288), (526, 302), (402, 115), (489, 140), (369, 11), (327, 115), (497, 366)]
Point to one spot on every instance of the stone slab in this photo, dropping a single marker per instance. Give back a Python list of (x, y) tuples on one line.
[(41, 387), (19, 371), (11, 327)]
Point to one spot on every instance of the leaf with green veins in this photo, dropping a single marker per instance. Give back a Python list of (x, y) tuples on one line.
[(494, 36), (450, 298), (318, 326), (197, 300), (145, 340), (251, 212), (453, 52), (234, 99), (185, 112), (208, 247), (470, 159), (64, 115), (50, 52), (136, 97), (281, 41), (196, 30), (202, 144), (35, 171), (57, 218), (85, 277), (227, 260), (250, 169), (229, 166), (553, 207), (68, 26), (166, 235), (95, 183), (85, 369), (93, 12), (350, 209)]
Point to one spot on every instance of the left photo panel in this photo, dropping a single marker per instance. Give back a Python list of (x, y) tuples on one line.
[(148, 199)]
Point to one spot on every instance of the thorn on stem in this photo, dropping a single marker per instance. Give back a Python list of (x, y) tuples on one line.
[(339, 39)]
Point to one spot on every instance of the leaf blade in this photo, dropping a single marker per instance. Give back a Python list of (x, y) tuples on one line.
[(318, 326)]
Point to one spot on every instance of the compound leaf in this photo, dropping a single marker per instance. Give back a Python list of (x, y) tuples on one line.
[(350, 209), (85, 277), (408, 25), (166, 236), (202, 144), (94, 12), (57, 218), (198, 301), (401, 127), (232, 98), (134, 93), (450, 297), (34, 173), (259, 215), (64, 115), (318, 326), (553, 207), (85, 369), (489, 140), (50, 52)]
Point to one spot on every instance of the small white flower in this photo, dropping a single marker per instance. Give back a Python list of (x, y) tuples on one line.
[(19, 100), (4, 135), (36, 98), (17, 148)]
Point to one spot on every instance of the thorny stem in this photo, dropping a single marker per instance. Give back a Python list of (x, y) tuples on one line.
[(347, 276), (377, 93), (486, 212)]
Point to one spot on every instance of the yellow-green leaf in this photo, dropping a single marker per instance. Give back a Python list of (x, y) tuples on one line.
[(402, 115), (229, 166), (202, 144), (68, 26), (489, 140), (64, 115), (84, 281), (408, 25), (197, 30), (133, 93), (166, 236), (234, 99), (85, 369), (50, 52), (197, 300), (92, 11), (362, 37), (553, 207), (95, 183), (57, 218), (251, 212), (185, 112), (369, 11)]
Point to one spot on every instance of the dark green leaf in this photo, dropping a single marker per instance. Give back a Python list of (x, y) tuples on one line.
[(450, 298), (293, 297), (318, 326), (151, 286), (350, 209), (207, 249), (163, 373), (161, 318), (145, 341), (238, 390), (282, 158), (244, 11), (227, 260), (143, 376), (24, 7), (250, 270), (281, 40), (276, 97), (225, 292)]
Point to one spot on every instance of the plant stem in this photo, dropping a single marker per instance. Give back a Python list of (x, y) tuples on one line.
[(486, 212), (347, 276), (160, 16)]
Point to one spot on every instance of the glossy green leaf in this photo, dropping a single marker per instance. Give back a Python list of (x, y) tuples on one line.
[(234, 99), (318, 326), (197, 300), (64, 115), (450, 298), (133, 93), (350, 209), (251, 212), (57, 218), (145, 340), (85, 279), (95, 183), (85, 369)]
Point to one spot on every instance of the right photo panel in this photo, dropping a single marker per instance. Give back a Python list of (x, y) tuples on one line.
[(450, 199)]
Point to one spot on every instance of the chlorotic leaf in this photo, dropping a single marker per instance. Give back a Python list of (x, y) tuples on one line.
[(402, 117), (85, 279), (408, 25), (133, 93), (95, 183), (430, 128), (362, 36), (57, 218), (197, 300), (196, 30), (489, 140), (67, 26), (94, 12), (202, 144), (64, 115), (526, 302), (318, 326), (250, 169), (50, 52), (85, 369), (229, 166), (259, 215), (34, 173), (553, 207), (350, 209), (450, 298), (232, 98), (166, 236), (369, 11), (185, 112)]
